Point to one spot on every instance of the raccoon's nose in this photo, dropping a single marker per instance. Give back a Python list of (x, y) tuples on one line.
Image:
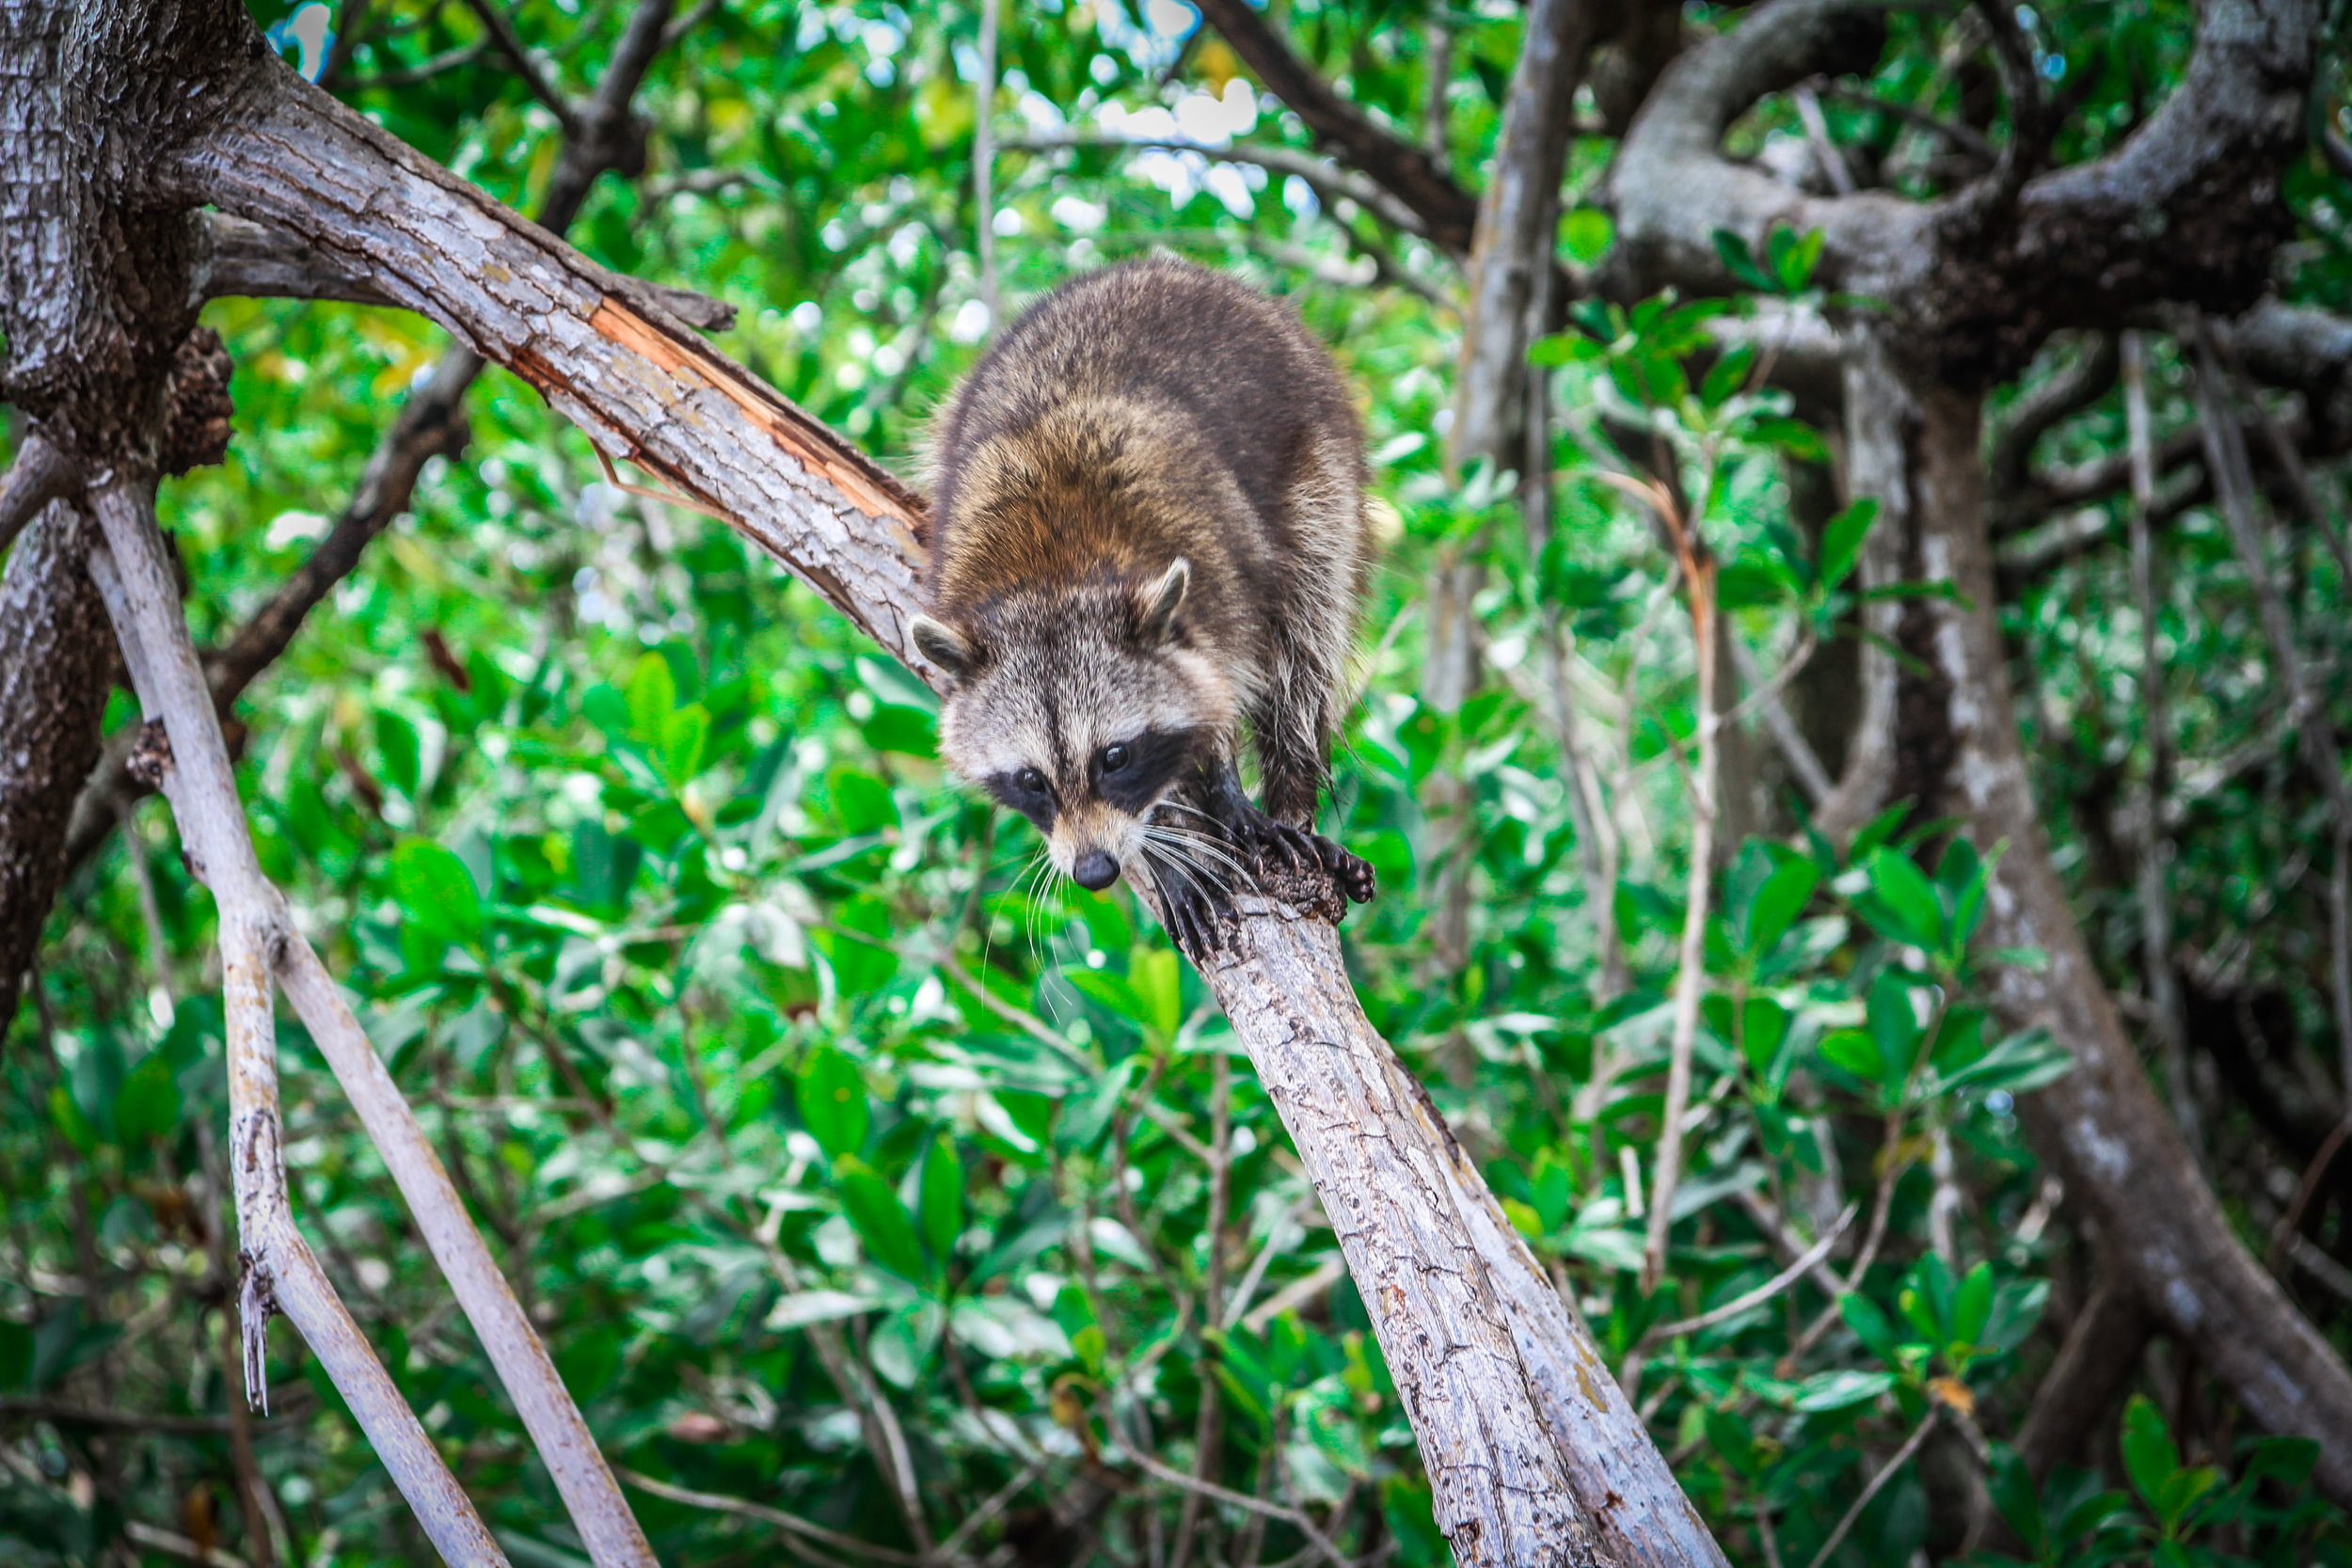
[(1094, 871)]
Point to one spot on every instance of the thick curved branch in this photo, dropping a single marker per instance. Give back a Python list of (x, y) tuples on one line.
[(2186, 208), (1532, 1459), (236, 256), (1448, 214)]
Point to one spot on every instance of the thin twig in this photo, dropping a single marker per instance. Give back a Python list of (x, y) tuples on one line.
[(1902, 1457), (1763, 1292), (1691, 977), (2156, 848), (527, 65), (792, 1524), (1296, 1518)]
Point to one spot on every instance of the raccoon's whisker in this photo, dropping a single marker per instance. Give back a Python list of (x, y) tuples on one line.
[(1176, 864), (1198, 846)]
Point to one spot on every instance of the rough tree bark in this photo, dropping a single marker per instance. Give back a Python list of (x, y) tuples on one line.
[(2186, 209), (56, 665), (1535, 1457)]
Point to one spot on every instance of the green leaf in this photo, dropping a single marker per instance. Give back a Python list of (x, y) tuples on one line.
[(1839, 1390), (2019, 1502), (2149, 1455), (1728, 376), (148, 1105), (1841, 540), (909, 731), (1972, 1306), (1585, 234), (1763, 1030), (1770, 886), (1855, 1052), (401, 750), (1895, 1027), (1901, 905), (436, 892), (1741, 261), (831, 1098), (1564, 348), (1869, 1324), (2024, 1062), (683, 734), (1794, 436), (1792, 257), (879, 1218), (2179, 1494), (652, 697), (942, 1198)]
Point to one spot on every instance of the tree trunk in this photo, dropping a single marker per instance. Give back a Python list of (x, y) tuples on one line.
[(57, 666), (2101, 1127)]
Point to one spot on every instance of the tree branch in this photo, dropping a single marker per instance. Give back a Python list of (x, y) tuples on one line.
[(252, 260), (1447, 213), (40, 475), (2101, 1126), (134, 579), (527, 65), (1511, 258), (2186, 208), (57, 667)]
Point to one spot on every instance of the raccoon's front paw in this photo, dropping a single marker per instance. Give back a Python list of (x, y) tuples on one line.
[(1306, 851)]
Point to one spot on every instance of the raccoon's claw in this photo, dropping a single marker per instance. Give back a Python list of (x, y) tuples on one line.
[(1353, 872), (1192, 917)]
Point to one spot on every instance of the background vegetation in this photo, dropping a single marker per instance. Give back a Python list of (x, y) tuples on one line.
[(807, 1115)]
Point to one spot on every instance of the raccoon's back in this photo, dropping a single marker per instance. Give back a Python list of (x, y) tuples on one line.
[(1131, 410)]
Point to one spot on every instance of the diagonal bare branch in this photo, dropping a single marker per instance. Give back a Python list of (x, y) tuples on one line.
[(1448, 214)]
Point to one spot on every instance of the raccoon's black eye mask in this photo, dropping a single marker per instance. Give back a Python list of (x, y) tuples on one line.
[(1139, 772), (1027, 791)]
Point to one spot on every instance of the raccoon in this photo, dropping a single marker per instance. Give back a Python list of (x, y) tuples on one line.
[(1149, 531)]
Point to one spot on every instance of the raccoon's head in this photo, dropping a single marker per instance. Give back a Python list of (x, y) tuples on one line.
[(1082, 708)]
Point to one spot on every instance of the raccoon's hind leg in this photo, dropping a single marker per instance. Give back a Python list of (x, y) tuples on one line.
[(1277, 828)]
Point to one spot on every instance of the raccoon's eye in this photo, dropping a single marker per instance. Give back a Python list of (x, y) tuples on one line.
[(1030, 779), (1114, 757)]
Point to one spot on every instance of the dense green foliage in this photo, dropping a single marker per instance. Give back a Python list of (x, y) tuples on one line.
[(739, 1027)]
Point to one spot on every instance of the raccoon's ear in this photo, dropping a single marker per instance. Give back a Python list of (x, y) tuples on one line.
[(1161, 601), (944, 646)]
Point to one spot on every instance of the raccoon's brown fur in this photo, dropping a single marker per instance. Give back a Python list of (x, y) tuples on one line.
[(1149, 531)]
